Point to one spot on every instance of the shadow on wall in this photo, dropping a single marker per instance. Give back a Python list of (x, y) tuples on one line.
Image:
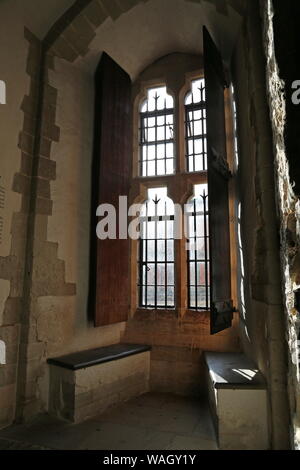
[(241, 266), (242, 273)]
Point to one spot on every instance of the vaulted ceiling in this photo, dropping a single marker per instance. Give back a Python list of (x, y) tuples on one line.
[(155, 28), (145, 31)]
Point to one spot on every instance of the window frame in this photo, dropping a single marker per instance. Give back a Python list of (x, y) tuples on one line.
[(192, 240), (144, 143), (192, 108), (144, 261), (180, 186)]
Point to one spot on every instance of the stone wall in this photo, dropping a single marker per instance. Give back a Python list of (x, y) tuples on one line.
[(177, 364), (262, 312), (17, 149), (20, 54), (287, 202)]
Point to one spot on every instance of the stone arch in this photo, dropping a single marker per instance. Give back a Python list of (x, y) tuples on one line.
[(71, 36)]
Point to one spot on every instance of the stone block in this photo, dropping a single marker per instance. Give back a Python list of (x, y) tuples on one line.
[(50, 61), (95, 13), (47, 168), (113, 8), (29, 390), (12, 310), (243, 423), (6, 416), (28, 106), (11, 353), (33, 63), (26, 164), (4, 293), (43, 188), (7, 395), (64, 50), (182, 378), (31, 408), (33, 350), (239, 402), (50, 131), (84, 393), (83, 28), (94, 409), (49, 112), (22, 184), (26, 143), (34, 369), (31, 38), (9, 334), (34, 89), (50, 95), (44, 206), (83, 399), (126, 5), (133, 390), (7, 374), (45, 147), (40, 228), (80, 34), (29, 124)]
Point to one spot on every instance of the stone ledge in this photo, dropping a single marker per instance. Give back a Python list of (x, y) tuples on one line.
[(231, 370)]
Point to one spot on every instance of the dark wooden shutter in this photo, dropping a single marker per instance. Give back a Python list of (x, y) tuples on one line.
[(110, 287), (218, 175)]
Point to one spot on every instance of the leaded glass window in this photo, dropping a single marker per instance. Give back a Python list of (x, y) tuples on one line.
[(156, 251), (156, 134), (195, 127), (198, 249)]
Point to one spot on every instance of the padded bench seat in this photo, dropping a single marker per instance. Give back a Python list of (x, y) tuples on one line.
[(86, 383), (92, 357), (238, 400)]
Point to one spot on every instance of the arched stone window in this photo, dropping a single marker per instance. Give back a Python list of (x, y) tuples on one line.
[(179, 141)]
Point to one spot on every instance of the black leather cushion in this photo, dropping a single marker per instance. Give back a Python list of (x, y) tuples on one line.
[(91, 357)]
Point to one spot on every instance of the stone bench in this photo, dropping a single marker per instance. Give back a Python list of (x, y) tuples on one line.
[(84, 384), (238, 399)]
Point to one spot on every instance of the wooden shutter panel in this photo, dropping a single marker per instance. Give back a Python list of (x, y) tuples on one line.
[(221, 309), (112, 171)]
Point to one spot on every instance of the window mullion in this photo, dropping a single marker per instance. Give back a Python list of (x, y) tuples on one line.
[(166, 265), (196, 257), (205, 249), (146, 258), (157, 137), (155, 259), (141, 267), (165, 144), (147, 149), (193, 133), (155, 172)]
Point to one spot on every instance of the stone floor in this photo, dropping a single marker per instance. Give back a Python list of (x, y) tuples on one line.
[(149, 422)]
